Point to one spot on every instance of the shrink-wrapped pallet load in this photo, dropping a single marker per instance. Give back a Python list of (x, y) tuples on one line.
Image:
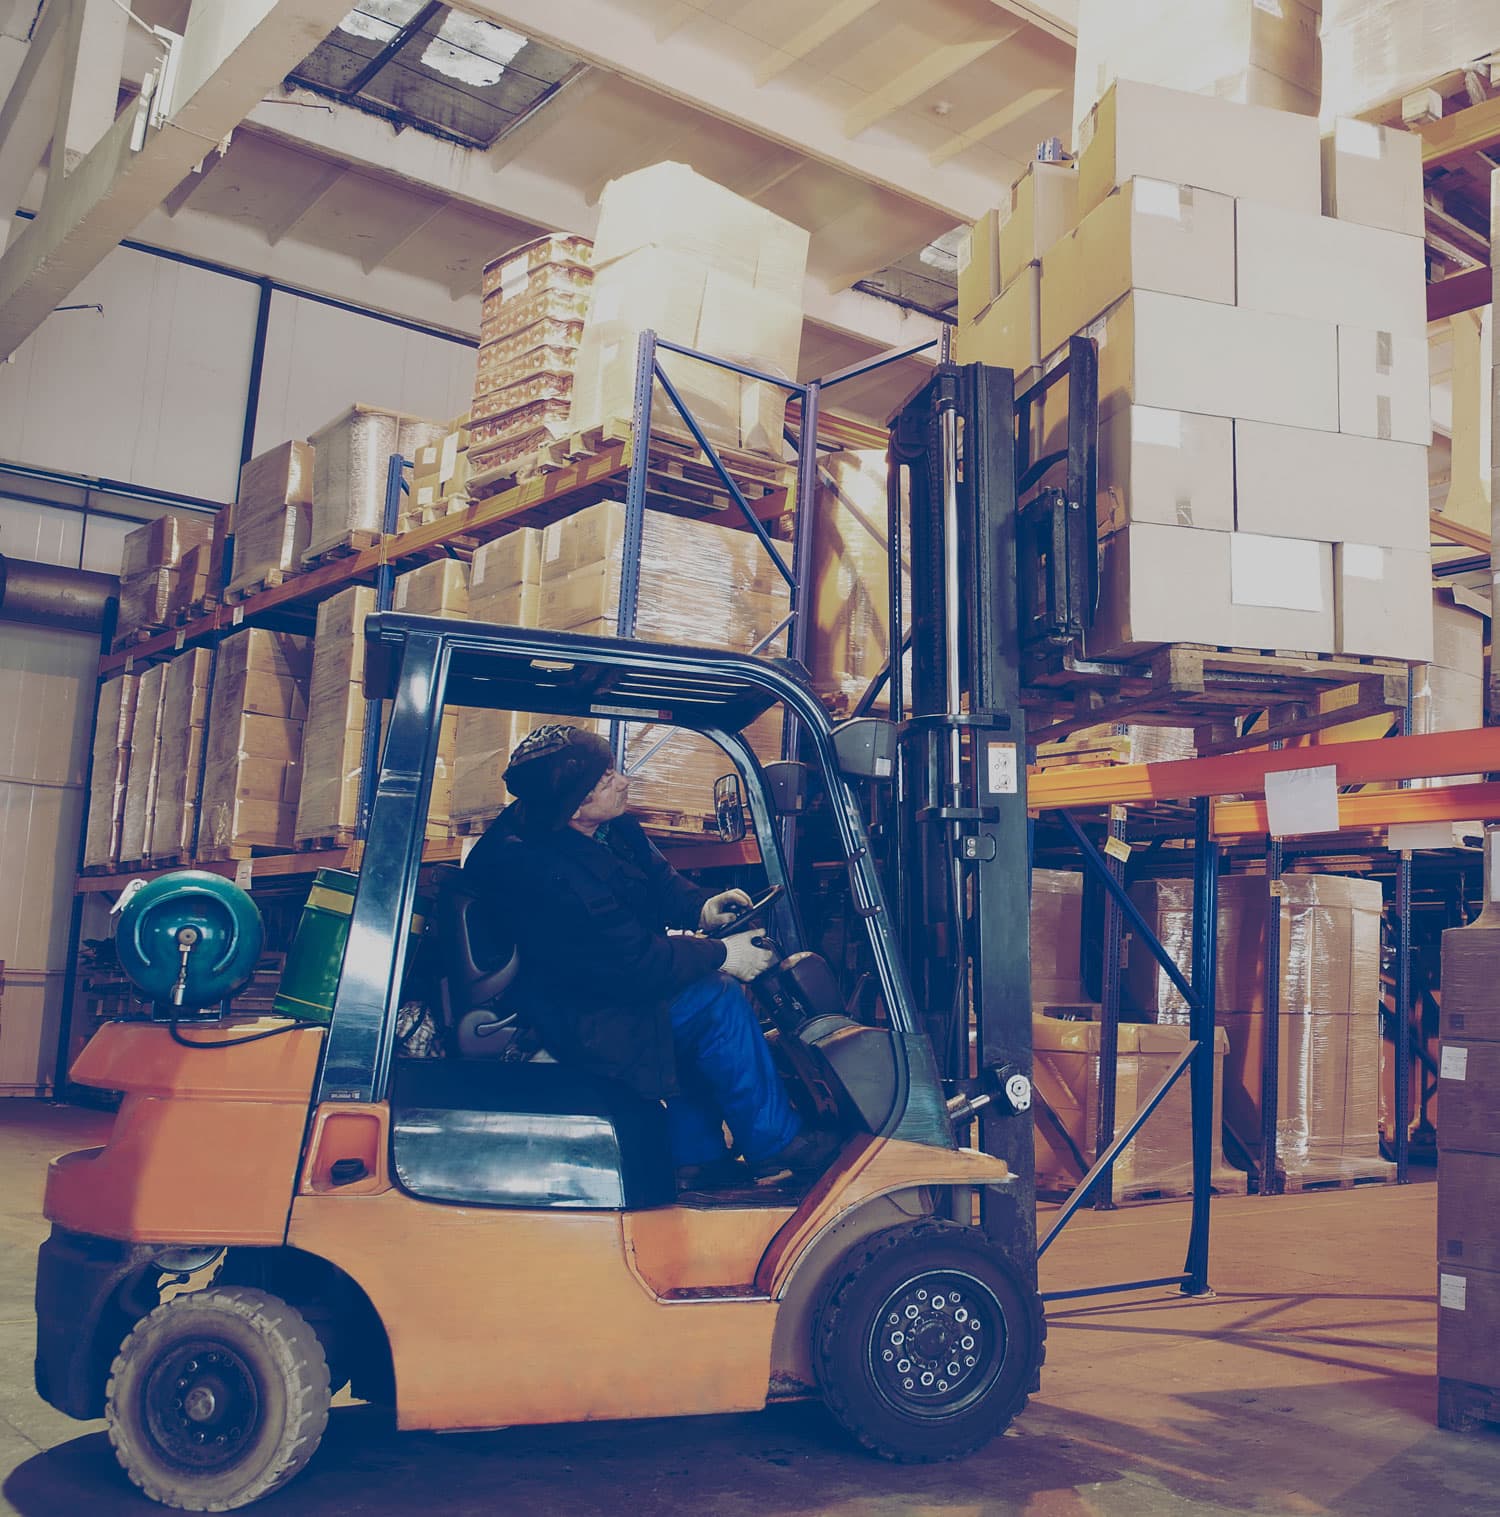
[(333, 737), (351, 467), (149, 567), (272, 516), (184, 716), (111, 769), (1056, 932), (682, 256), (252, 769), (144, 770)]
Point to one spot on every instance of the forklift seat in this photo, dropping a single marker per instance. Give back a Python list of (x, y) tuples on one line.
[(527, 1135), (479, 961)]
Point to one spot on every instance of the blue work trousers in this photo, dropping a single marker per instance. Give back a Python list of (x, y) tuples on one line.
[(726, 1075)]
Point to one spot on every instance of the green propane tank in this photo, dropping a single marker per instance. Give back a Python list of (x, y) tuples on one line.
[(188, 939), (310, 979)]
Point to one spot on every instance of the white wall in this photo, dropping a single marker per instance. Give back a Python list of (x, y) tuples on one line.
[(152, 392), (320, 360)]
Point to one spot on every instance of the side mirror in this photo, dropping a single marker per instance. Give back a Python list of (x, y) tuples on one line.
[(787, 782), (866, 748), (729, 809)]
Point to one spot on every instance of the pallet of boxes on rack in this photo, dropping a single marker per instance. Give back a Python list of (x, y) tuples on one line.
[(114, 726), (183, 729), (1263, 397), (164, 574), (270, 521)]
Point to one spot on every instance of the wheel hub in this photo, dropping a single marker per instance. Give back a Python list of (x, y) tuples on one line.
[(201, 1405), (937, 1344)]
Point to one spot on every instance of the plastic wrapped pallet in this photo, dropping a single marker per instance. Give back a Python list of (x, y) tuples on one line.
[(273, 515), (1376, 51), (161, 543), (144, 771), (252, 769), (850, 639), (146, 599), (1159, 1160), (191, 586), (111, 769), (333, 739), (351, 458), (1056, 931), (184, 715)]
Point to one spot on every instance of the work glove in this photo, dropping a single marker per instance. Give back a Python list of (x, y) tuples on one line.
[(743, 959), (721, 908)]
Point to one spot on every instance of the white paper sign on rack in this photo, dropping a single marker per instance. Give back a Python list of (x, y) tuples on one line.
[(1300, 801)]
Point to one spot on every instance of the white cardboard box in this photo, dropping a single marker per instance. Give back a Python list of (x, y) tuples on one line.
[(1281, 594), (1329, 486), (1298, 264), (1384, 602), (1160, 584), (1373, 175), (1172, 468), (1384, 390), (1147, 235)]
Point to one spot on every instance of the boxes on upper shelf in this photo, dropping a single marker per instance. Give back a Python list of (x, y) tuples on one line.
[(273, 514), (108, 779), (1372, 175), (1247, 151), (1384, 601), (1148, 235)]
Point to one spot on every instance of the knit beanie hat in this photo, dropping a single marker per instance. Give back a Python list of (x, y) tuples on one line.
[(552, 770)]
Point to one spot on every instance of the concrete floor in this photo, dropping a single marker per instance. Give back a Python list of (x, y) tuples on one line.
[(1303, 1386)]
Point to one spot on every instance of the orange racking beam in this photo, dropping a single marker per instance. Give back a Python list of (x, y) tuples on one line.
[(1429, 755), (1378, 808)]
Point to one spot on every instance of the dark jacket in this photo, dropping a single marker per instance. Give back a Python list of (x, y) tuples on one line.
[(597, 967)]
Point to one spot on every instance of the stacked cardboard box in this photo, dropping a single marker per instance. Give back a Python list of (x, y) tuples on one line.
[(1329, 1004), (1468, 1233), (111, 769), (1263, 393), (679, 255), (1256, 52), (351, 464), (193, 586), (440, 588), (849, 642), (1056, 933), (252, 770), (535, 301), (333, 735), (184, 716), (440, 477), (1159, 1159), (272, 519), (143, 771), (150, 565)]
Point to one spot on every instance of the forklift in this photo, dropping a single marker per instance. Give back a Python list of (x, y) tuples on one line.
[(284, 1209)]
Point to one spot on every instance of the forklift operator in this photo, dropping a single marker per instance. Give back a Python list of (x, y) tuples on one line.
[(609, 988)]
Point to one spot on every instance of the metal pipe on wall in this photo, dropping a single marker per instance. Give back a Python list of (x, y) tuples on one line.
[(46, 595)]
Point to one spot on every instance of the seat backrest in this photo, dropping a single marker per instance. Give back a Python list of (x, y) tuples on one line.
[(478, 956)]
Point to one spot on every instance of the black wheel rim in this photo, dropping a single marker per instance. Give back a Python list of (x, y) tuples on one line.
[(202, 1405), (937, 1344)]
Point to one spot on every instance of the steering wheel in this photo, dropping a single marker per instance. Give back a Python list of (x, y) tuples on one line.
[(747, 914)]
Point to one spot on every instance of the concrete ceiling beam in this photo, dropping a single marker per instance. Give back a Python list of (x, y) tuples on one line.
[(929, 71)]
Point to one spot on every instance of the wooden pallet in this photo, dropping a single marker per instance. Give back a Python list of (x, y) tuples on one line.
[(1226, 1182), (196, 610), (272, 579), (344, 547), (1350, 1174), (133, 637), (237, 853), (424, 516), (180, 860), (340, 837), (1208, 688), (1466, 1408)]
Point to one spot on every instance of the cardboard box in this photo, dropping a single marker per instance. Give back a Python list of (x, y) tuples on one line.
[(1259, 86), (1056, 933), (1468, 1329), (1007, 332), (1217, 360), (1470, 1010), (440, 588), (1297, 263), (113, 722), (1372, 175), (1160, 584), (979, 267), (161, 543), (1468, 1219), (1469, 1095), (144, 768), (1329, 486), (1384, 390), (1246, 151), (1458, 634), (515, 559), (1146, 236), (1281, 594), (1171, 468), (1384, 601), (1041, 210), (286, 654)]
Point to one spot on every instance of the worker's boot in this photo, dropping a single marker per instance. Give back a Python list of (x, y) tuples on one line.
[(806, 1156), (726, 1173)]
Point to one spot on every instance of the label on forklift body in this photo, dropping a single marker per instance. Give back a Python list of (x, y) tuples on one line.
[(1453, 1292), (1455, 1065), (633, 712), (1003, 771)]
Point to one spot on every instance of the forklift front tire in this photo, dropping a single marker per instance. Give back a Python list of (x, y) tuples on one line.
[(217, 1398), (928, 1342)]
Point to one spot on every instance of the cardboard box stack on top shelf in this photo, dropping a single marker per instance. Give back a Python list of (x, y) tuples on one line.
[(1263, 391), (113, 724), (143, 770), (351, 458), (184, 718), (700, 584), (439, 477), (535, 301), (700, 266), (151, 566), (1329, 1020), (1468, 1230), (252, 770), (272, 517)]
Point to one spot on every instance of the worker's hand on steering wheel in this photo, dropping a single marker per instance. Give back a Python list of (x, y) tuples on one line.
[(743, 959), (722, 908)]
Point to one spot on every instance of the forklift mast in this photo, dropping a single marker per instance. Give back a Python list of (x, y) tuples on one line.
[(993, 578)]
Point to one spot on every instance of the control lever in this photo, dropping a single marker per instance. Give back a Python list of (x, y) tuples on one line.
[(187, 938)]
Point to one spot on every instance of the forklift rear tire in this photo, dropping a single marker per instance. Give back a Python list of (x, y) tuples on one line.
[(217, 1398), (928, 1342)]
